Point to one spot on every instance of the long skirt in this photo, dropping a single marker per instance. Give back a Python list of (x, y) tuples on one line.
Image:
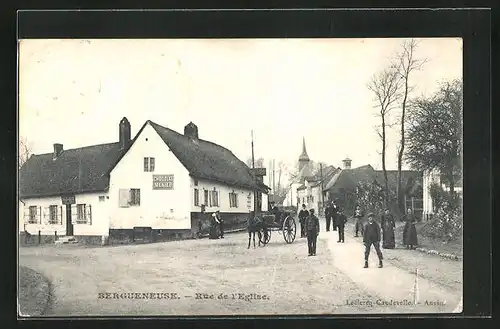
[(410, 235), (214, 234), (388, 238)]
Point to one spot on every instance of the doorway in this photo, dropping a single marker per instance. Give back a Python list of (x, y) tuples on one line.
[(69, 224)]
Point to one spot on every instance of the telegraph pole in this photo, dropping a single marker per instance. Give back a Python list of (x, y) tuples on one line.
[(255, 189), (322, 194)]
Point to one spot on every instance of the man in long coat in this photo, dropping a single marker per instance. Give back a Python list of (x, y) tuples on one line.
[(312, 228), (341, 220), (334, 215), (329, 215), (303, 213)]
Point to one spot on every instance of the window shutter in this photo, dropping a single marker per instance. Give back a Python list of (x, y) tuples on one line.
[(123, 198), (74, 214), (236, 197), (26, 215), (46, 215), (60, 215), (39, 215), (151, 164), (88, 209), (230, 200)]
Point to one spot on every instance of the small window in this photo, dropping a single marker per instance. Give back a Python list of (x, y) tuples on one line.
[(53, 218), (149, 164), (33, 215), (196, 197), (214, 198), (195, 182), (102, 198), (233, 200), (81, 217), (129, 197)]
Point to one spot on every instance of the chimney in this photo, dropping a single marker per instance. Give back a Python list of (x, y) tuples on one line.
[(347, 163), (191, 130), (58, 148), (124, 133)]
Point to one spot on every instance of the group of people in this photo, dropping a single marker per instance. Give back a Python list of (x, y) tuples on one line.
[(370, 230), (216, 228)]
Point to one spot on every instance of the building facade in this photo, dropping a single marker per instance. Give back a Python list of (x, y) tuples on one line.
[(161, 182)]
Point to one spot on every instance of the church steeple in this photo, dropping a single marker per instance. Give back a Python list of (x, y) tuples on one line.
[(303, 158)]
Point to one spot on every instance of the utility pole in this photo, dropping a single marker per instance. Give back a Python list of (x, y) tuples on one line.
[(274, 181), (253, 159), (322, 194)]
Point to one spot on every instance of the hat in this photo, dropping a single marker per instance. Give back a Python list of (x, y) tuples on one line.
[(303, 205), (311, 211), (370, 215)]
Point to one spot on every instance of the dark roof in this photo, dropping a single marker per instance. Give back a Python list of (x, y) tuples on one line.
[(409, 178), (207, 160), (347, 179), (328, 173), (77, 170)]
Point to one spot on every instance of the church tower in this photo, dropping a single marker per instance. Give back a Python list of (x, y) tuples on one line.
[(303, 158)]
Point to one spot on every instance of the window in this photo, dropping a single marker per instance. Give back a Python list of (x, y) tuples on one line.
[(233, 200), (196, 197), (53, 215), (33, 215), (149, 164), (83, 214), (195, 182), (129, 197), (205, 197), (102, 198), (214, 198)]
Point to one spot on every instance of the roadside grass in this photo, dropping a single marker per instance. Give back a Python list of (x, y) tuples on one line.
[(33, 292)]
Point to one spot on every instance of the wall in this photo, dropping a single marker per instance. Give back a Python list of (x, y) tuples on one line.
[(159, 209), (291, 197), (98, 227), (428, 179), (245, 197)]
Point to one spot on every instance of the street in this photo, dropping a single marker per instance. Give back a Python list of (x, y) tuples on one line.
[(223, 277)]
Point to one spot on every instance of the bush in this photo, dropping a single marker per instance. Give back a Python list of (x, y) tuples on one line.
[(447, 223), (370, 197)]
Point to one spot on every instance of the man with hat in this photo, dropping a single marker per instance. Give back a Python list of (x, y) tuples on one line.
[(341, 220), (312, 228), (371, 236), (303, 213)]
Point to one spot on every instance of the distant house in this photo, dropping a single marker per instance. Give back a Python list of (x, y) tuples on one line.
[(310, 192), (434, 177), (342, 186), (160, 180)]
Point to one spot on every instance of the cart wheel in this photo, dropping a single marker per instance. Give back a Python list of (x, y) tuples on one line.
[(289, 229), (264, 236)]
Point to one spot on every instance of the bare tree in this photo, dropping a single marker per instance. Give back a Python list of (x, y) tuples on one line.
[(24, 151), (386, 89), (406, 64), (259, 163)]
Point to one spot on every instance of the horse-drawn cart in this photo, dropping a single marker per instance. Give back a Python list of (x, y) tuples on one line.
[(277, 221)]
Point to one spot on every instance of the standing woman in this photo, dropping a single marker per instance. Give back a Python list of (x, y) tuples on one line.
[(410, 232), (388, 226), (214, 234), (358, 215)]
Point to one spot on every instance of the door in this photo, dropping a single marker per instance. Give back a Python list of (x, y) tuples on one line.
[(69, 224)]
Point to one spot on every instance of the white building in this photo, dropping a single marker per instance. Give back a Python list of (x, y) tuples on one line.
[(434, 177), (159, 181)]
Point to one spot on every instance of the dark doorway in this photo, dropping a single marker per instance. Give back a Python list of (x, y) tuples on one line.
[(69, 225)]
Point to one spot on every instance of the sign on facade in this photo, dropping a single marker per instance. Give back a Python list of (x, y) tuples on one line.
[(249, 201), (68, 199), (163, 182)]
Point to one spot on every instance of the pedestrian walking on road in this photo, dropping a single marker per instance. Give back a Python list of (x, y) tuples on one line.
[(371, 236), (359, 216), (388, 225), (341, 220), (312, 227), (334, 215), (303, 213), (328, 215), (410, 239)]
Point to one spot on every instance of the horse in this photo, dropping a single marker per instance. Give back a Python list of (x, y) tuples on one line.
[(255, 224)]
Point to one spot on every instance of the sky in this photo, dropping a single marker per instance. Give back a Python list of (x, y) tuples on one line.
[(75, 92)]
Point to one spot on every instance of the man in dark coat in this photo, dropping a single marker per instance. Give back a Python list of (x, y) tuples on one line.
[(334, 215), (303, 213), (341, 220), (312, 228), (371, 236), (328, 215)]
